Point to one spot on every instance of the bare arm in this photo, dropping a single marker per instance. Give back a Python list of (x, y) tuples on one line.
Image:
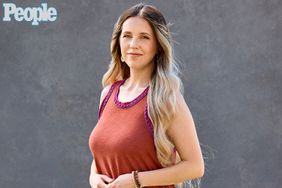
[(102, 96), (183, 134), (93, 169), (95, 179)]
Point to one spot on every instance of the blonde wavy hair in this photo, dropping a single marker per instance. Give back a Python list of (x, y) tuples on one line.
[(164, 83)]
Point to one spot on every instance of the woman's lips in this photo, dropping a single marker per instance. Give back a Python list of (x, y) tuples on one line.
[(133, 54)]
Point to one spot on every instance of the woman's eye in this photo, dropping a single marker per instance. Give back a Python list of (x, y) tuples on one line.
[(145, 37), (126, 36)]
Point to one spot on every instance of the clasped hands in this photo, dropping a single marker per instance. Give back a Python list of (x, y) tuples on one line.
[(103, 181)]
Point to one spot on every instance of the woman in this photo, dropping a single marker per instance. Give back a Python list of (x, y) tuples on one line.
[(145, 135)]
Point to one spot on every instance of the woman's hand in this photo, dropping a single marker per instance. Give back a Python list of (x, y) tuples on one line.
[(99, 180), (123, 181)]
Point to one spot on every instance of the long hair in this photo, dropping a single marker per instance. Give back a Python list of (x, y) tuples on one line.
[(164, 83)]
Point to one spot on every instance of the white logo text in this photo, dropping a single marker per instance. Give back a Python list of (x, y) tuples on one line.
[(34, 14)]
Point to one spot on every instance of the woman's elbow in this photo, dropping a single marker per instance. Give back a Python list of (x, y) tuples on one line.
[(198, 170), (201, 169), (194, 170)]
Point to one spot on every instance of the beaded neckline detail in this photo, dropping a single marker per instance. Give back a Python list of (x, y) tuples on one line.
[(129, 103)]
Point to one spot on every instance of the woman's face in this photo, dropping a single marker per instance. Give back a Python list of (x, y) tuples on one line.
[(137, 43)]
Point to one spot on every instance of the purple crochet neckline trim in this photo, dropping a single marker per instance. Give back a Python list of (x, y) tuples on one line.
[(148, 121), (129, 103)]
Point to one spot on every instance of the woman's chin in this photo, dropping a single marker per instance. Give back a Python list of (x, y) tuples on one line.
[(133, 62)]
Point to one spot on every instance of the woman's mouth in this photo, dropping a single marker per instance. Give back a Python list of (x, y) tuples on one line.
[(134, 54)]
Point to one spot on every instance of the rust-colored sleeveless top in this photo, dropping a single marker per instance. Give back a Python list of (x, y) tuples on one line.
[(122, 140)]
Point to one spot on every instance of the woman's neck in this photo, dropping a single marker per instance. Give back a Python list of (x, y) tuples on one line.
[(135, 83)]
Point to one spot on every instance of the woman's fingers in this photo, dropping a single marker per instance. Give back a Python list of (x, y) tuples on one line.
[(99, 180), (101, 184), (106, 178)]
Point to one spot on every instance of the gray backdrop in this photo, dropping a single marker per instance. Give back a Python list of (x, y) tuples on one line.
[(50, 83)]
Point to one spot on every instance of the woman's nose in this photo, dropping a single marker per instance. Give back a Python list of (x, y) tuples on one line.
[(133, 42)]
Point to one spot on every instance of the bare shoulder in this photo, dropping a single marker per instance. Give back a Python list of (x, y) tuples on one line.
[(104, 92), (183, 117), (181, 105)]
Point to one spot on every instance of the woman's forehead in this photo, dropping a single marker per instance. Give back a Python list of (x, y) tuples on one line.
[(137, 25)]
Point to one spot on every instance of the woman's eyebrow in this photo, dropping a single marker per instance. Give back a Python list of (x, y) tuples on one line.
[(142, 33)]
